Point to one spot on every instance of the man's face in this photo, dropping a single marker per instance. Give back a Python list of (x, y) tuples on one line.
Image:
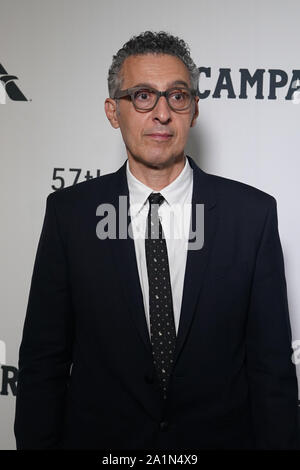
[(154, 138)]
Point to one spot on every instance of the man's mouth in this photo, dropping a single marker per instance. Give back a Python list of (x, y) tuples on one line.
[(160, 136)]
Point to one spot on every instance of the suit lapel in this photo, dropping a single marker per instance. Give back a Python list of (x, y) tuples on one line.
[(197, 260), (125, 261)]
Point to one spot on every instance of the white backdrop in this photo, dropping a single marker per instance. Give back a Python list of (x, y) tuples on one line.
[(61, 50)]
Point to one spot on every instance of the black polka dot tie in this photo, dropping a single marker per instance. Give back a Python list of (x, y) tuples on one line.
[(162, 326)]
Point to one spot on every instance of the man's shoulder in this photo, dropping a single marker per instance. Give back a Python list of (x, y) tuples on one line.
[(238, 193)]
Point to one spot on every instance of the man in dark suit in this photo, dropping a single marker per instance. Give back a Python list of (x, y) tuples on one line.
[(157, 341)]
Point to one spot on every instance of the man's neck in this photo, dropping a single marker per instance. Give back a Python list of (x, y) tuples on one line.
[(156, 178)]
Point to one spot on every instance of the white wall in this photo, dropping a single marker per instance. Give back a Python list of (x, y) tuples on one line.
[(61, 51)]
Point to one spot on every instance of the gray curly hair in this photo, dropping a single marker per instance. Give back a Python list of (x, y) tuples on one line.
[(153, 43)]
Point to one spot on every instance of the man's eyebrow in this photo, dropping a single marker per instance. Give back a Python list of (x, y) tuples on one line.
[(179, 82), (169, 85)]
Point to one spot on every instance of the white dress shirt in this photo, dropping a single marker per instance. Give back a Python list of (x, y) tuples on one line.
[(174, 214)]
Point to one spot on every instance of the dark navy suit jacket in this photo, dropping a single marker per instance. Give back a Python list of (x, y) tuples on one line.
[(86, 375)]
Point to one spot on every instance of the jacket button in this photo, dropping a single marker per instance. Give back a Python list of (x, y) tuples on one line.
[(163, 425)]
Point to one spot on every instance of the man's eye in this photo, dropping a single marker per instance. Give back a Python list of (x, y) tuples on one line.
[(142, 95), (177, 95)]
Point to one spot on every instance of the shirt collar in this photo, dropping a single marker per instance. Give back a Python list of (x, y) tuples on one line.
[(174, 193)]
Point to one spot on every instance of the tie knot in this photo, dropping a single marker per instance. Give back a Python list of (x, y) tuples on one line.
[(156, 198)]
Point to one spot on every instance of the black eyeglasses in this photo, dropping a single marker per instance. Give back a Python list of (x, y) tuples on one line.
[(145, 99)]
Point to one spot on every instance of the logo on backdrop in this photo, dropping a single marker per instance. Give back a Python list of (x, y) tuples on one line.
[(64, 178), (266, 83), (9, 374), (8, 87)]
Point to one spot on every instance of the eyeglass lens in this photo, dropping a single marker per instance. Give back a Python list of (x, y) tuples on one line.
[(178, 98)]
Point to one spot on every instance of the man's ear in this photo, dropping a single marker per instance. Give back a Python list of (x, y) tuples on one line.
[(196, 112), (110, 107)]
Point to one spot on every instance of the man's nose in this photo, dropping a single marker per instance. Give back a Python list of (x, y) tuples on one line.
[(162, 111)]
